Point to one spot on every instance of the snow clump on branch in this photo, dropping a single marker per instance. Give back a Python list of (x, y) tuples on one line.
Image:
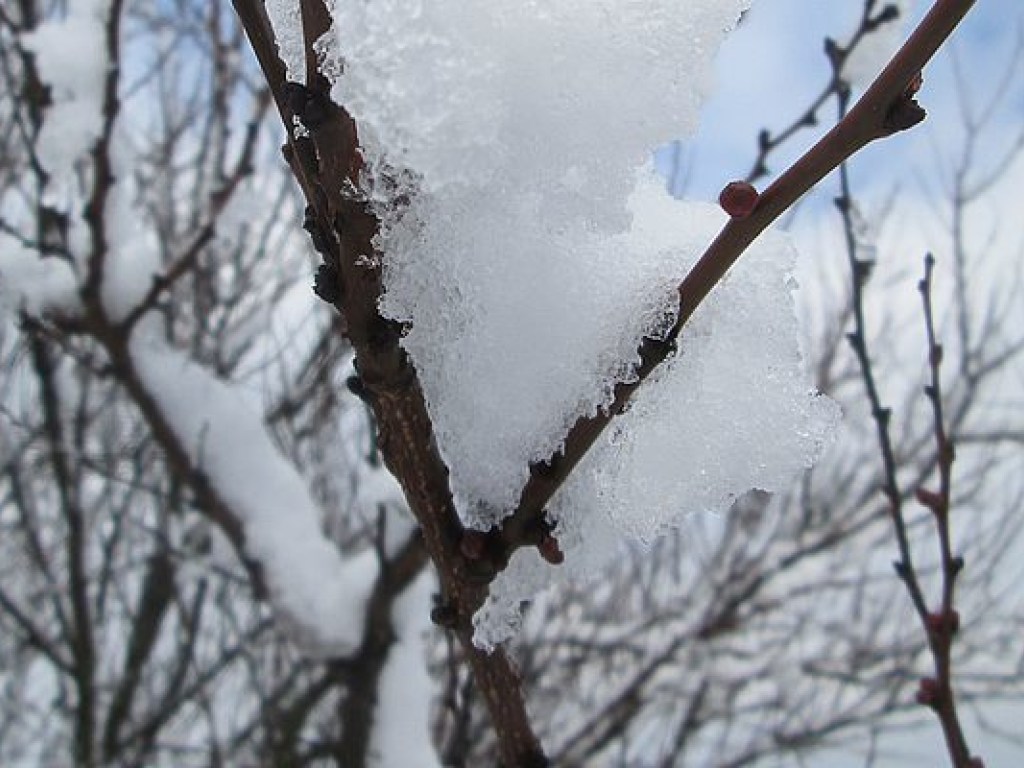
[(71, 57), (529, 249)]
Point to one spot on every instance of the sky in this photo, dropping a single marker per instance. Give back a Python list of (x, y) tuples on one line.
[(774, 64)]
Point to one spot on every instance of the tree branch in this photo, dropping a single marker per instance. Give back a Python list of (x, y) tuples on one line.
[(325, 163), (887, 107)]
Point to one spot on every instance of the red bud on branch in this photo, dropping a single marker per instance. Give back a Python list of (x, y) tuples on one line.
[(738, 199)]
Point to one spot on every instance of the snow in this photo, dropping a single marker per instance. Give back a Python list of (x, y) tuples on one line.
[(732, 411), (319, 595), (401, 733), (35, 285), (71, 57), (521, 130), (875, 49), (560, 100), (528, 248), (286, 21), (132, 258), (525, 343), (70, 54)]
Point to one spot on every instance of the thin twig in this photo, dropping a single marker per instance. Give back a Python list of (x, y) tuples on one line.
[(837, 55), (943, 625)]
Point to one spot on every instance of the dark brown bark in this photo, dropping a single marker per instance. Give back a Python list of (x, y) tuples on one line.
[(344, 230)]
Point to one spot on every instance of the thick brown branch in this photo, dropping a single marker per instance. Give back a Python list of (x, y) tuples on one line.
[(326, 164)]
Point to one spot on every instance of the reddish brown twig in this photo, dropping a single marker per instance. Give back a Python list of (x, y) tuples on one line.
[(941, 625)]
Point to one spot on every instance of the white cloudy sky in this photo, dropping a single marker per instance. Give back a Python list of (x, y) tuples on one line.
[(773, 65)]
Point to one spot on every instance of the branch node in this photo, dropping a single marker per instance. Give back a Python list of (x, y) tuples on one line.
[(942, 624), (327, 284), (312, 108), (355, 385), (444, 615), (928, 692), (550, 550), (904, 113), (932, 500)]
